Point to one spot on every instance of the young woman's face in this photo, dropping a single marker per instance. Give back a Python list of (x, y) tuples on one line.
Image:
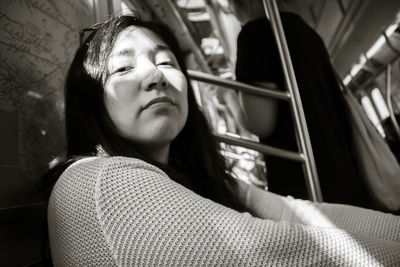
[(146, 91)]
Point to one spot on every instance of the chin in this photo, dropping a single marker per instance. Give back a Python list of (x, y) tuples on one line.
[(165, 130), (156, 139)]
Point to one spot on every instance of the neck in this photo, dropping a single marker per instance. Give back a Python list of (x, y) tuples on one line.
[(158, 154)]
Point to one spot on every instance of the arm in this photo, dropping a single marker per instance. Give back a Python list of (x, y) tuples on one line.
[(147, 219), (260, 113), (268, 205)]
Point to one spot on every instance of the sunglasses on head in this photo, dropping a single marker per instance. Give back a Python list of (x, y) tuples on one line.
[(86, 34)]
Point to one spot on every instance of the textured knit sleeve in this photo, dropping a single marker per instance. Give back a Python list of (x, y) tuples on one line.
[(353, 219), (143, 218)]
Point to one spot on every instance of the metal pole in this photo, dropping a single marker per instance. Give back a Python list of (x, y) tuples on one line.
[(289, 155), (247, 88), (389, 100), (303, 139)]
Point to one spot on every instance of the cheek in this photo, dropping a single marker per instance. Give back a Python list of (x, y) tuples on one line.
[(121, 101), (184, 110), (176, 79), (185, 105), (180, 83), (121, 88)]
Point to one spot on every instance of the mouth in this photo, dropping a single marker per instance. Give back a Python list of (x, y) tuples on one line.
[(159, 100)]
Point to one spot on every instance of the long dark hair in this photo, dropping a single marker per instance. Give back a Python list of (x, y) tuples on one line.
[(194, 159)]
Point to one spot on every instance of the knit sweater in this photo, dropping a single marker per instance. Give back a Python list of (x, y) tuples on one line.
[(124, 212)]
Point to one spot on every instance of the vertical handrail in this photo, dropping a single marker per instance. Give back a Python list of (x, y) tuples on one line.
[(302, 134), (389, 100)]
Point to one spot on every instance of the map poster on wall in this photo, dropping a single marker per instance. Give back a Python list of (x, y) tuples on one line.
[(38, 39)]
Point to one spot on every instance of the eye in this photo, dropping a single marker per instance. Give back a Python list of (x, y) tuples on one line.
[(166, 63), (122, 70)]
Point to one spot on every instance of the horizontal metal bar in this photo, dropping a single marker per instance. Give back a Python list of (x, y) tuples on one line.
[(251, 89), (238, 156), (269, 150)]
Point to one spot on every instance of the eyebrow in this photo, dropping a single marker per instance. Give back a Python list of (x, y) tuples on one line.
[(131, 52), (162, 48)]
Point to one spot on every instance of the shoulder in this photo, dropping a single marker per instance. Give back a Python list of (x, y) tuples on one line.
[(107, 161), (87, 175), (101, 165), (291, 17), (255, 27), (263, 25), (296, 27), (88, 196)]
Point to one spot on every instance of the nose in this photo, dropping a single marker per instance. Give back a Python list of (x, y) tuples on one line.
[(154, 80)]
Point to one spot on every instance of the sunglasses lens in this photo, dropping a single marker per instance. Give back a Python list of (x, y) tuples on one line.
[(85, 35)]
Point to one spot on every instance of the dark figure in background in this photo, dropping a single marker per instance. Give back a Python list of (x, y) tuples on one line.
[(258, 62)]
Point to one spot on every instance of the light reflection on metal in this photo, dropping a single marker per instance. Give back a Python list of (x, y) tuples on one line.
[(357, 67), (260, 147), (347, 79)]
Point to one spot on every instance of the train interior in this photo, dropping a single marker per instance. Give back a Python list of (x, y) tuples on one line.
[(39, 38)]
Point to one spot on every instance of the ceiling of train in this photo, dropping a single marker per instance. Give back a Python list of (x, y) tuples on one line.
[(348, 27)]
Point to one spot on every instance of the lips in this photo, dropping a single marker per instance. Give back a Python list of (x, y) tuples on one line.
[(163, 99)]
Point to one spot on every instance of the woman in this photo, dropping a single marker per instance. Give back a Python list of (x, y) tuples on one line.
[(146, 185)]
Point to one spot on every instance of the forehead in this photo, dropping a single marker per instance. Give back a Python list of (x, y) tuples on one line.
[(137, 38)]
